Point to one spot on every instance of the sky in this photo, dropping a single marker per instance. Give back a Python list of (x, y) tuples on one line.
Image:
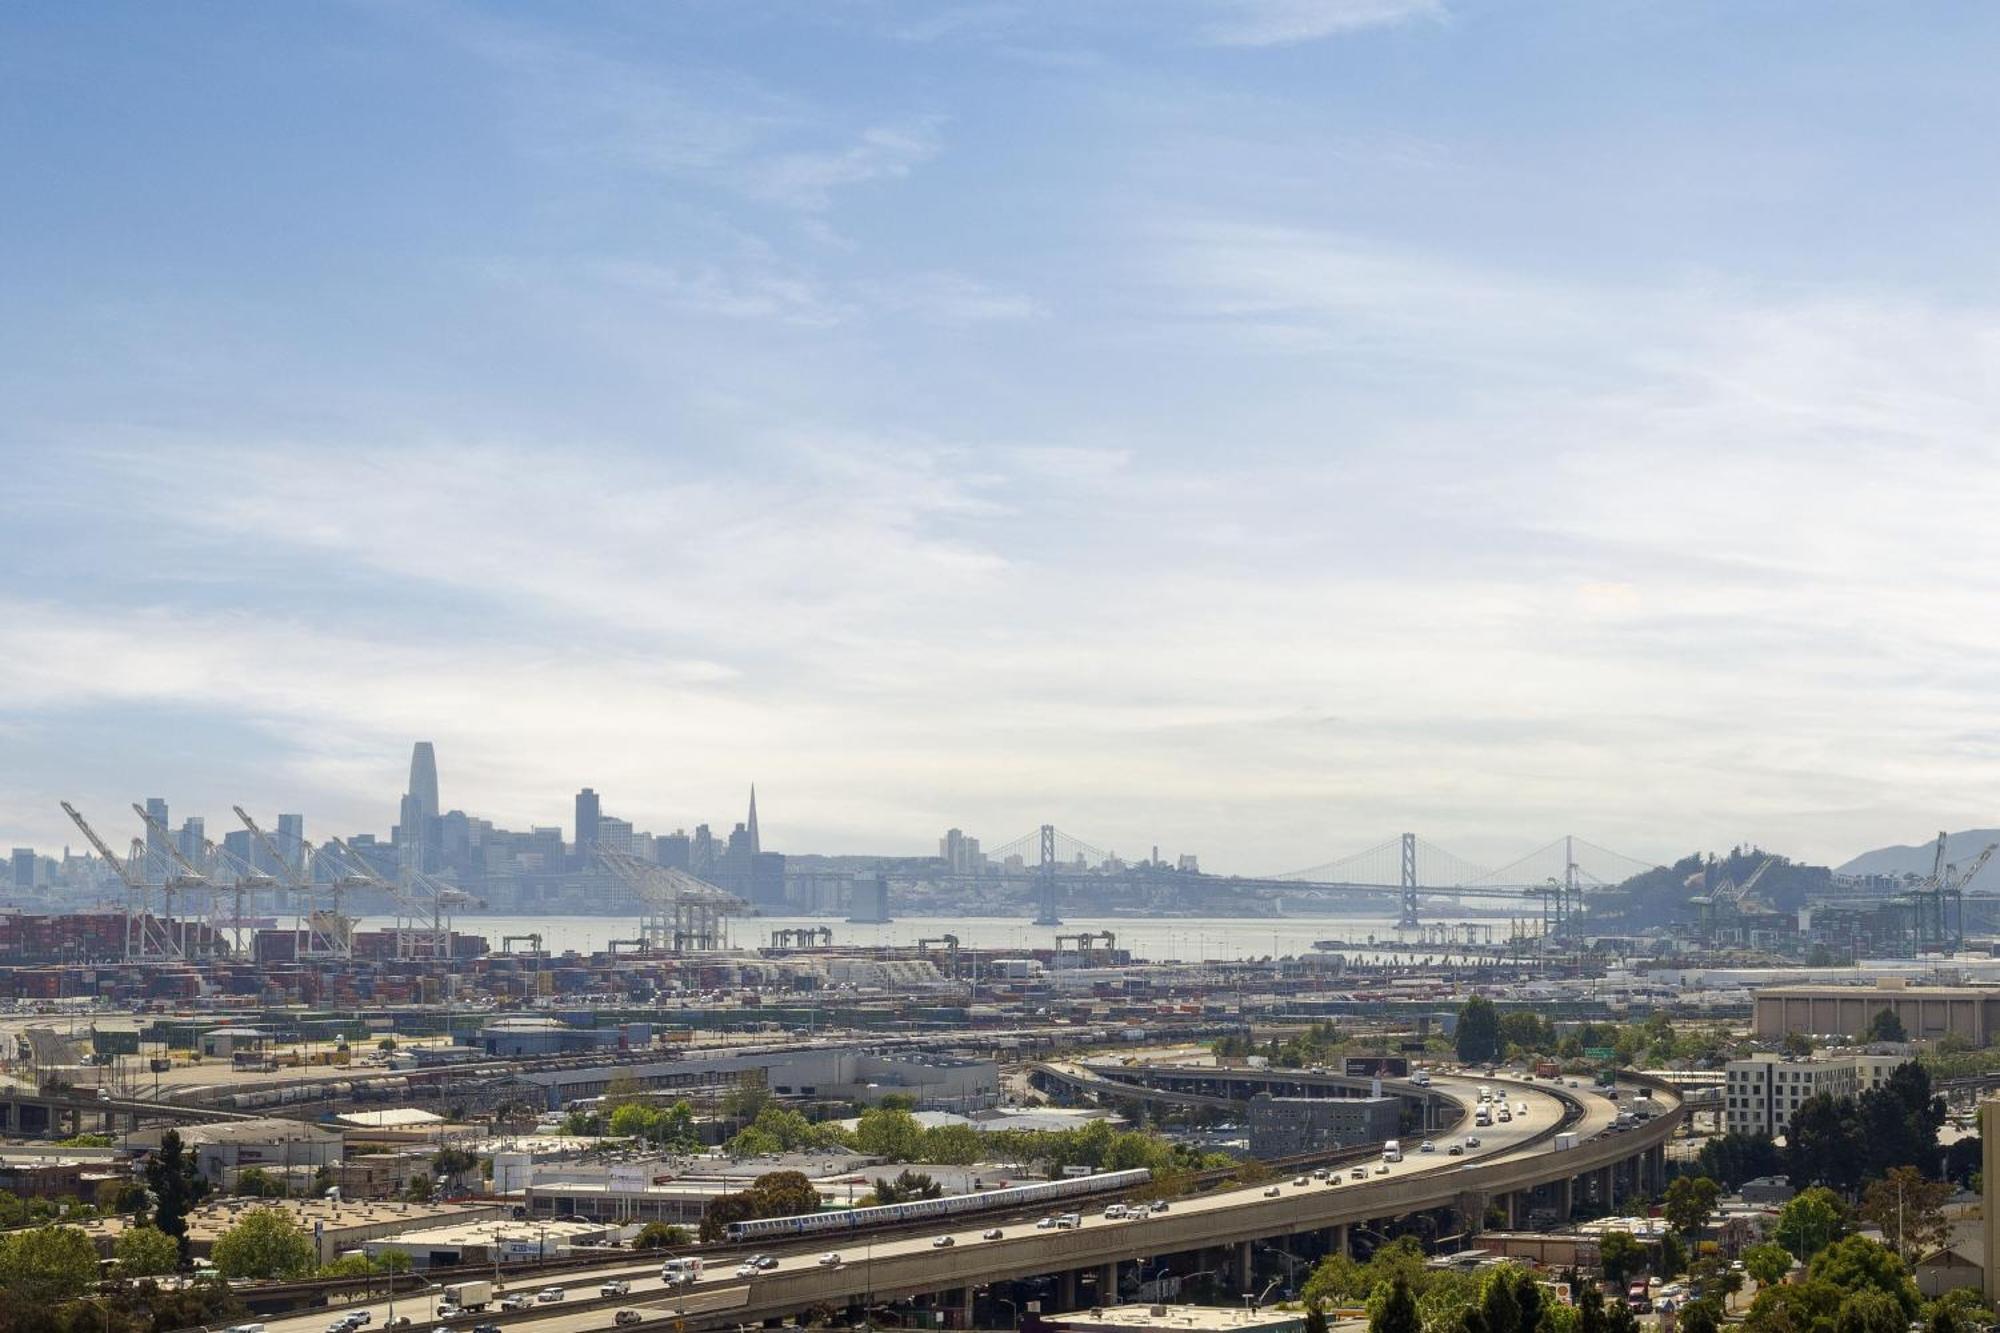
[(1251, 428)]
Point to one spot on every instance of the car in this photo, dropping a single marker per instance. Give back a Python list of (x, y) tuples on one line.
[(746, 1269), (520, 1300), (1456, 1150), (1301, 1180), (765, 1262), (617, 1288), (991, 1233), (1428, 1146), (943, 1243), (1472, 1140), (628, 1317), (1359, 1173), (339, 1326), (1382, 1170), (359, 1317), (831, 1259), (1161, 1205), (486, 1328), (1273, 1192), (1333, 1180), (1045, 1224), (1321, 1174), (397, 1321), (444, 1328), (550, 1295)]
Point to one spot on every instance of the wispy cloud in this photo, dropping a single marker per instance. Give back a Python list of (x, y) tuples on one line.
[(808, 180), (1286, 22)]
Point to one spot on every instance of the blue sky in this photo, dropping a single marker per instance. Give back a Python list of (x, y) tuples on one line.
[(1251, 427)]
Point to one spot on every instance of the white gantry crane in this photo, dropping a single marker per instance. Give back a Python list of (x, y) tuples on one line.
[(323, 933), (679, 913), (423, 906), (149, 937), (199, 885)]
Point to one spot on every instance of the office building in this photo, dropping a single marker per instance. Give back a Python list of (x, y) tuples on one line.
[(672, 849), (424, 781), (23, 865), (1761, 1092), (291, 838), (157, 860), (192, 840), (587, 816), (960, 854), (1288, 1126)]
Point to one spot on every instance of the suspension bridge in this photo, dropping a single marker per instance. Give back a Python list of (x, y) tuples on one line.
[(1405, 868)]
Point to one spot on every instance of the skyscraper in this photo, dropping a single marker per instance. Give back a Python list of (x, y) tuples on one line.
[(157, 860), (587, 815), (291, 840), (756, 844), (424, 784)]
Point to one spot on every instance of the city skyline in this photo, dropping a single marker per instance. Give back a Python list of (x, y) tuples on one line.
[(1247, 427)]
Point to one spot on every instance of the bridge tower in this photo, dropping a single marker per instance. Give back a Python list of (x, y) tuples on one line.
[(1045, 881), (1570, 904), (1409, 920)]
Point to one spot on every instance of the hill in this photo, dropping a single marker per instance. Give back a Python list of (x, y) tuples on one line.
[(1959, 849), (1662, 896)]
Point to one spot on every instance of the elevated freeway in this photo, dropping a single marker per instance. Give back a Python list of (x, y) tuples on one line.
[(1516, 1167)]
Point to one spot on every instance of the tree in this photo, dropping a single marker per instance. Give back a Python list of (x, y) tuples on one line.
[(1885, 1026), (1315, 1321), (420, 1188), (1963, 1159), (256, 1183), (891, 1133), (264, 1243), (177, 1186), (1909, 1210), (907, 1186), (1619, 1255), (44, 1266), (1478, 1036), (1736, 1157), (1768, 1262), (1397, 1312), (1798, 1044), (1701, 1316), (146, 1251), (1690, 1199), (1673, 1255), (1497, 1306), (1528, 1296), (1823, 1143), (1589, 1305), (1810, 1221), (1855, 1263), (659, 1236), (1871, 1311)]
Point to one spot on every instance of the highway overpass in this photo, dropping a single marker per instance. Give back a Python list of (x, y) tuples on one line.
[(1516, 1168)]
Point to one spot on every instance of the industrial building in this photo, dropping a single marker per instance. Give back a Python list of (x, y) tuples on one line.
[(1926, 1012), (1287, 1126), (276, 1146)]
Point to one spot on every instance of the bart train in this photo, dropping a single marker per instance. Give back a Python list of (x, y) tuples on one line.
[(1012, 1196)]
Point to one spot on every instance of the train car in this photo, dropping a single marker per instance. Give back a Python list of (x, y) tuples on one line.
[(1014, 1196)]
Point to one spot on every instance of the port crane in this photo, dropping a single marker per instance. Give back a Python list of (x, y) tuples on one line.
[(1937, 904), (950, 943), (423, 906), (320, 935), (193, 879), (680, 913), (148, 938)]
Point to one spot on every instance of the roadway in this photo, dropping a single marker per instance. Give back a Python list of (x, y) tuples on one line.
[(1510, 1158)]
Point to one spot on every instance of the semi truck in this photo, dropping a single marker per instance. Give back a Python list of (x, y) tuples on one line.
[(469, 1295)]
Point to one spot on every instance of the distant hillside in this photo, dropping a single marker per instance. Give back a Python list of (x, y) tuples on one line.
[(1661, 896), (1959, 849)]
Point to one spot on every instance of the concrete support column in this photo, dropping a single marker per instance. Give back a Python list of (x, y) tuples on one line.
[(1066, 1289), (963, 1300), (1565, 1198), (1245, 1272), (1107, 1284), (1340, 1240), (1512, 1202)]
